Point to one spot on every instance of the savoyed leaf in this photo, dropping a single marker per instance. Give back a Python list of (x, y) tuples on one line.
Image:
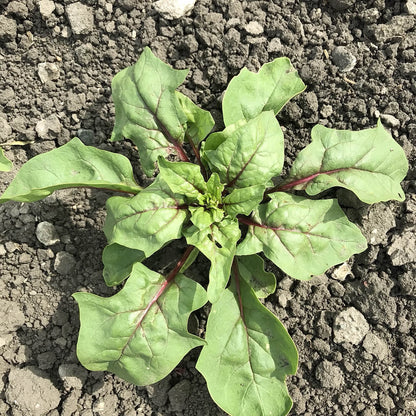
[(249, 154), (137, 334), (183, 178), (71, 165), (118, 262), (217, 242), (199, 122), (301, 236), (251, 269), (147, 108), (368, 162), (5, 164), (247, 356), (148, 220), (248, 94), (243, 200)]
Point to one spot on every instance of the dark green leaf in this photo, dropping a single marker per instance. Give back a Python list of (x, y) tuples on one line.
[(69, 166), (247, 356), (301, 236), (243, 200), (248, 94), (137, 334)]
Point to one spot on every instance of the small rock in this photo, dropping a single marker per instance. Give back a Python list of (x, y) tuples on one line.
[(341, 4), (48, 71), (178, 395), (30, 391), (254, 28), (329, 375), (8, 29), (127, 5), (410, 7), (81, 18), (70, 404), (47, 234), (174, 9), (12, 317), (46, 8), (403, 248), (49, 128), (6, 95), (5, 129), (375, 346), (46, 360), (75, 102), (341, 272), (72, 375), (17, 9), (390, 120), (343, 59), (86, 136), (376, 224), (397, 26), (158, 392), (64, 262), (350, 326)]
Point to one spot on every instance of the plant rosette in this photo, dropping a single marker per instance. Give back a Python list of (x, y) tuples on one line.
[(216, 191)]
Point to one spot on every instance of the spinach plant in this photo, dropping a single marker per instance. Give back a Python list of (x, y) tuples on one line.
[(218, 192)]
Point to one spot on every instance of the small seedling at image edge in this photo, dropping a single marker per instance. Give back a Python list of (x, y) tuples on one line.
[(221, 193)]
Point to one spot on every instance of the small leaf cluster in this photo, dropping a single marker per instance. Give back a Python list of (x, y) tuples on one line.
[(219, 192)]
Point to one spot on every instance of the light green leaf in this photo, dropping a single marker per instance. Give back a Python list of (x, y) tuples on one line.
[(250, 154), (147, 109), (183, 178), (248, 94), (215, 187), (203, 218), (5, 164), (147, 221), (71, 165), (199, 122), (368, 162), (251, 269), (139, 334), (247, 356), (118, 262), (243, 200), (301, 236), (217, 242)]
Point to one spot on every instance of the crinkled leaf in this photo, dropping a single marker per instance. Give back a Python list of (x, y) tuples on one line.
[(5, 164), (71, 165), (118, 262), (301, 236), (251, 269), (247, 356), (203, 218), (215, 187), (136, 334), (199, 122), (147, 108), (183, 178), (250, 154), (248, 94), (148, 220), (369, 163), (218, 243), (243, 200)]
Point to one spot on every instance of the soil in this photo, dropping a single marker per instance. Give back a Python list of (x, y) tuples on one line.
[(354, 327)]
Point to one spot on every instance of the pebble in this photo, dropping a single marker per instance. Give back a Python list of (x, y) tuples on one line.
[(64, 262), (403, 248), (46, 360), (81, 18), (5, 129), (17, 9), (46, 8), (410, 7), (341, 272), (341, 4), (48, 71), (375, 346), (254, 28), (8, 29), (343, 59), (75, 102), (12, 317), (87, 136), (46, 233), (350, 326), (329, 375), (49, 127), (174, 9), (72, 375), (390, 120), (158, 392)]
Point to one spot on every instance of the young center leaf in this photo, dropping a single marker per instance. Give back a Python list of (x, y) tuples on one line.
[(247, 356), (147, 109), (248, 94), (139, 334), (369, 163), (301, 236), (69, 166), (147, 221), (250, 154), (5, 164)]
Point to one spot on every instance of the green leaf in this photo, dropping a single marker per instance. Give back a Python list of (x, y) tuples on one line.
[(249, 154), (243, 200), (218, 243), (251, 269), (301, 236), (147, 221), (199, 122), (368, 162), (183, 178), (147, 109), (248, 94), (69, 166), (247, 356), (118, 262), (5, 164), (137, 334)]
